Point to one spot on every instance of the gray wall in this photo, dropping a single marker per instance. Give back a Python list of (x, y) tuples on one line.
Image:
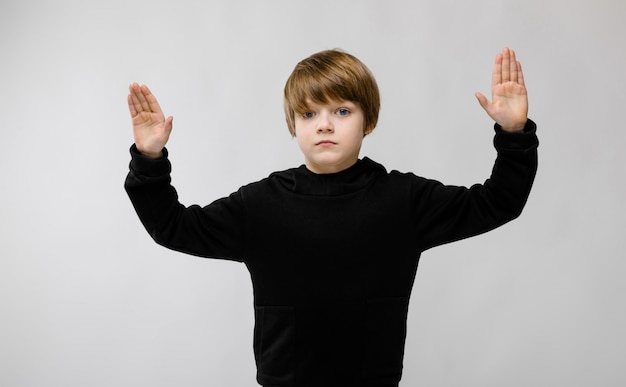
[(87, 299)]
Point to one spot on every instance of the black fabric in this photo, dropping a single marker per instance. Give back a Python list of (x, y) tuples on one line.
[(333, 257)]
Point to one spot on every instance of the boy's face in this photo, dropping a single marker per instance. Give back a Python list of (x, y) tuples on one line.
[(330, 135)]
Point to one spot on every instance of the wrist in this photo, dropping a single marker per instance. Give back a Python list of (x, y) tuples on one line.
[(516, 128), (149, 154), (153, 156)]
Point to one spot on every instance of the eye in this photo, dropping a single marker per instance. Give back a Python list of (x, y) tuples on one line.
[(343, 112), (308, 115)]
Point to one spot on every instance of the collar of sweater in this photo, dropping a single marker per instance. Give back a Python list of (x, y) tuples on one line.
[(301, 180)]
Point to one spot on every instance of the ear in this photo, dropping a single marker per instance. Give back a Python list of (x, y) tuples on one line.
[(367, 131)]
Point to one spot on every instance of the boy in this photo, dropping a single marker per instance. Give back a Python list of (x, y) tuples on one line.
[(333, 246)]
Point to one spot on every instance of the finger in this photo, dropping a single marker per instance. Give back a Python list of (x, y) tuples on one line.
[(520, 74), (151, 100), (506, 65), (131, 106), (482, 100), (134, 100), (168, 125), (141, 92), (496, 75), (513, 66)]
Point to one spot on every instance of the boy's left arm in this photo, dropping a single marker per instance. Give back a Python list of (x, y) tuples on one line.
[(449, 213)]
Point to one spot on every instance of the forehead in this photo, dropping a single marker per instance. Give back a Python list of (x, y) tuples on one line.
[(331, 103), (306, 90)]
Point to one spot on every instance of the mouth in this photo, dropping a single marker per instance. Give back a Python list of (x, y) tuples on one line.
[(326, 142)]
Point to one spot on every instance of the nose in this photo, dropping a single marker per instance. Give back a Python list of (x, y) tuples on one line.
[(325, 124)]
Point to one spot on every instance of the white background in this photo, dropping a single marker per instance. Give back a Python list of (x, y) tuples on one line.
[(87, 299)]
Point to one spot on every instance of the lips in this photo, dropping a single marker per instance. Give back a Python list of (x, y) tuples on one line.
[(326, 142)]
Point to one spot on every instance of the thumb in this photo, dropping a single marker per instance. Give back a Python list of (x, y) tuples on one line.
[(482, 100), (168, 124)]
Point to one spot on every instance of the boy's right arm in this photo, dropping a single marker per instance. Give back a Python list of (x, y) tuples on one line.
[(211, 231)]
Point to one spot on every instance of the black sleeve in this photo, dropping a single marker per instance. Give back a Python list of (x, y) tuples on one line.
[(212, 231), (448, 213)]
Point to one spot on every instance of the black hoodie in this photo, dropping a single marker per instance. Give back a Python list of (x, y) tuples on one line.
[(333, 257)]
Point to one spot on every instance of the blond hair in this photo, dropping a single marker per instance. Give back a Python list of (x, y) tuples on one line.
[(331, 75)]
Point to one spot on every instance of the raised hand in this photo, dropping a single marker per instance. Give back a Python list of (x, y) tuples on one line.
[(509, 105), (150, 127)]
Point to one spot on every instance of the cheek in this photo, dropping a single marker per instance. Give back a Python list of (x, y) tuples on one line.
[(297, 128), (300, 139), (357, 140), (302, 129)]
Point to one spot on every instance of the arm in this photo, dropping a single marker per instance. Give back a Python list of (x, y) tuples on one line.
[(449, 213), (211, 231)]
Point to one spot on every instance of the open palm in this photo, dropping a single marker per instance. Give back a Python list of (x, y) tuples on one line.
[(509, 105), (150, 127)]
